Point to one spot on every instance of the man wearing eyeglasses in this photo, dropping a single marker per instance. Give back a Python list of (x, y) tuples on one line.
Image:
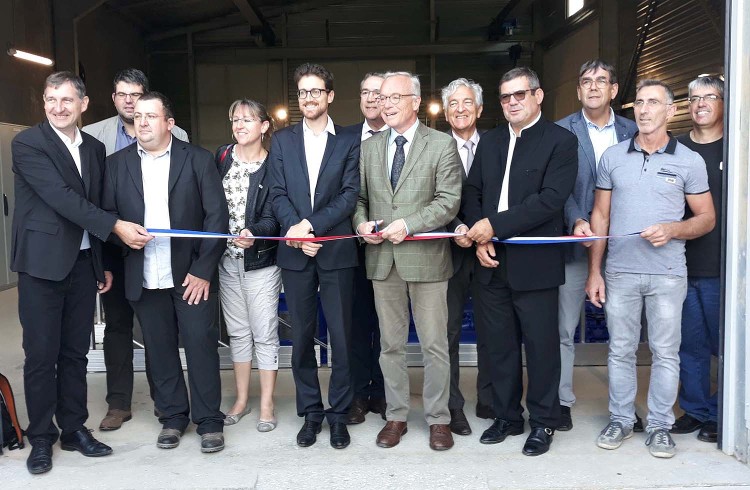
[(118, 132), (314, 185), (643, 185), (700, 312), (597, 128), (367, 378), (172, 283), (411, 183), (518, 184)]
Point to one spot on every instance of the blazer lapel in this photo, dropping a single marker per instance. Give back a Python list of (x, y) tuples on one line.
[(67, 163), (177, 158), (621, 130), (299, 134), (582, 132), (87, 155), (330, 145), (415, 151), (133, 163)]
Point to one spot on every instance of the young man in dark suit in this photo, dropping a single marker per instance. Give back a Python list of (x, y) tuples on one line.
[(57, 252), (314, 181), (521, 177)]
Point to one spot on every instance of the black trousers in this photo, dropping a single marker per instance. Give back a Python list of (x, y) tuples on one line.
[(57, 318), (166, 318), (367, 378), (504, 317), (458, 294), (301, 289), (118, 342)]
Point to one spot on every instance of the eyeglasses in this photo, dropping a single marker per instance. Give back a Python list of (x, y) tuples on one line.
[(601, 82), (468, 103), (245, 120), (650, 102), (519, 95), (133, 95), (394, 98), (315, 93), (365, 93), (708, 98), (148, 117)]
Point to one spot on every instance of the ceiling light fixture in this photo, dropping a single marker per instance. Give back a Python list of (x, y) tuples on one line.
[(30, 57)]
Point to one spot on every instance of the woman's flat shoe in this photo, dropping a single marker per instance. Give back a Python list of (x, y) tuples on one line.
[(231, 419), (267, 425)]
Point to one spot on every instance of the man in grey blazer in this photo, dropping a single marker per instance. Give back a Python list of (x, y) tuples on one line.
[(410, 183), (597, 128), (118, 132)]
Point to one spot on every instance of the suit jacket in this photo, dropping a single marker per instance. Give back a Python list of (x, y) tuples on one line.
[(106, 132), (427, 197), (581, 201), (335, 195), (196, 202), (54, 204), (542, 174)]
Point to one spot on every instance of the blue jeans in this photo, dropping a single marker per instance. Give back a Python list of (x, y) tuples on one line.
[(662, 296), (700, 340)]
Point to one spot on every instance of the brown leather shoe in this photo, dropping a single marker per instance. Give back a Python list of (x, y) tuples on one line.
[(114, 419), (357, 411), (441, 438), (390, 435)]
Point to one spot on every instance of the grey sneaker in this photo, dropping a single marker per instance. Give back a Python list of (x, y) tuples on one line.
[(612, 435), (660, 443)]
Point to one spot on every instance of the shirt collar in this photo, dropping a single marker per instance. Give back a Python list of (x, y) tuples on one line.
[(474, 138), (408, 134), (366, 128), (670, 147), (78, 141), (329, 127), (520, 133), (121, 128), (142, 152), (590, 124)]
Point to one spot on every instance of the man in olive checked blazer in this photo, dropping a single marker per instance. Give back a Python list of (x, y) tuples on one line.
[(410, 183)]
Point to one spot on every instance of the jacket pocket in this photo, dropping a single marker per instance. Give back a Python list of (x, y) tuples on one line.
[(43, 226)]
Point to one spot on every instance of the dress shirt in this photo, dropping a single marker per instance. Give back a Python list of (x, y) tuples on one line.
[(157, 254), (601, 138), (366, 128), (75, 152), (315, 148), (123, 139), (463, 152), (503, 203), (409, 135)]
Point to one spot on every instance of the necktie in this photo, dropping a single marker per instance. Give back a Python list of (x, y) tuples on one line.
[(372, 131), (398, 161), (469, 145)]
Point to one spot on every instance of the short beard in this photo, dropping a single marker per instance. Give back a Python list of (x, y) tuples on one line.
[(125, 119)]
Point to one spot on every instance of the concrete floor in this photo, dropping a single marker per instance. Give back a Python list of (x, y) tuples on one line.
[(273, 461)]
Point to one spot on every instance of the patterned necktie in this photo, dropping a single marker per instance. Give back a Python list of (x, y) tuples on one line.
[(469, 145), (398, 161)]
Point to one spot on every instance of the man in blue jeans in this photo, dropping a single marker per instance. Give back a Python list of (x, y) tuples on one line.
[(700, 312), (643, 185)]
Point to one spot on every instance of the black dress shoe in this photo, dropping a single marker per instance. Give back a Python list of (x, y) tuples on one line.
[(40, 459), (709, 432), (485, 411), (538, 441), (685, 425), (566, 421), (638, 425), (83, 442), (459, 425), (357, 411), (378, 405), (499, 430), (307, 435), (339, 436)]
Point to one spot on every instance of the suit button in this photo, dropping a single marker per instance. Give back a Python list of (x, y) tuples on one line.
[(395, 208)]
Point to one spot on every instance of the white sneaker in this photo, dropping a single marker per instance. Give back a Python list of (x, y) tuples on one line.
[(612, 435), (660, 443)]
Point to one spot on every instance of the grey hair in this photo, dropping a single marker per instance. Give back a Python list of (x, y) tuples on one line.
[(369, 74), (61, 77), (713, 82), (451, 88), (416, 87), (522, 71), (651, 82)]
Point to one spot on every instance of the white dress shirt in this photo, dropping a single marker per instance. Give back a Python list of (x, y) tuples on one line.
[(463, 152), (366, 128), (315, 148), (157, 254), (75, 151), (601, 138), (503, 203), (409, 135)]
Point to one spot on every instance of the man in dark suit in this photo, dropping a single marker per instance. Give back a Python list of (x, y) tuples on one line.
[(57, 252), (314, 181), (462, 103), (172, 284), (367, 378), (597, 128), (521, 177)]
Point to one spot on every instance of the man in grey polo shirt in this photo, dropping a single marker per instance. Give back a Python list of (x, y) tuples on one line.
[(643, 185)]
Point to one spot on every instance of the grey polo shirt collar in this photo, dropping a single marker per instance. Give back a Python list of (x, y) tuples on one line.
[(668, 148)]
